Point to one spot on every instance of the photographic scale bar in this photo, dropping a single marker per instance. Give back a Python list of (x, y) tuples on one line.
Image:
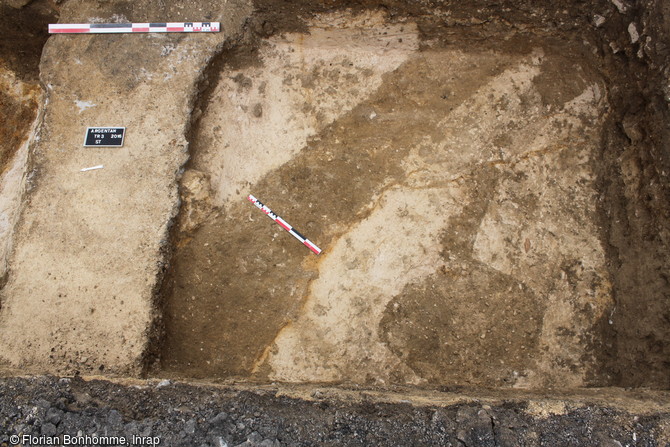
[(164, 27), (282, 223)]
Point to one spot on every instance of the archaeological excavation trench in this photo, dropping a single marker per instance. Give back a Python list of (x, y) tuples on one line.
[(453, 191), (488, 185), (457, 192)]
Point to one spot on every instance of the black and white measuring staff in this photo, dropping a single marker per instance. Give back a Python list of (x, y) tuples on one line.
[(164, 27), (282, 223)]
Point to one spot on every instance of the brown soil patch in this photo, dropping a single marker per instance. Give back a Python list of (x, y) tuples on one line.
[(16, 116)]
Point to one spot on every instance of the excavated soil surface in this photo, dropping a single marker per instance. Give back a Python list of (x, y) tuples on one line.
[(488, 183), (453, 186), (23, 35)]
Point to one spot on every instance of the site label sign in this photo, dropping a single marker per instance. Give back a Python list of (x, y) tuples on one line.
[(104, 136)]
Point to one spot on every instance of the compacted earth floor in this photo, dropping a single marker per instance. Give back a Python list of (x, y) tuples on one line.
[(451, 187)]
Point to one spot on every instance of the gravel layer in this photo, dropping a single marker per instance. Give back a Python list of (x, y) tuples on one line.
[(60, 410)]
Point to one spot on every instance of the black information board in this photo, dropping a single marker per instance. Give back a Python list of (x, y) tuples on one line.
[(104, 136)]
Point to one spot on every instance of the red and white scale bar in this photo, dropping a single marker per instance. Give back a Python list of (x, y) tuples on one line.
[(282, 223), (162, 27)]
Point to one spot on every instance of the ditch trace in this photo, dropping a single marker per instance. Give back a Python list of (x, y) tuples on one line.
[(455, 185), (488, 183)]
